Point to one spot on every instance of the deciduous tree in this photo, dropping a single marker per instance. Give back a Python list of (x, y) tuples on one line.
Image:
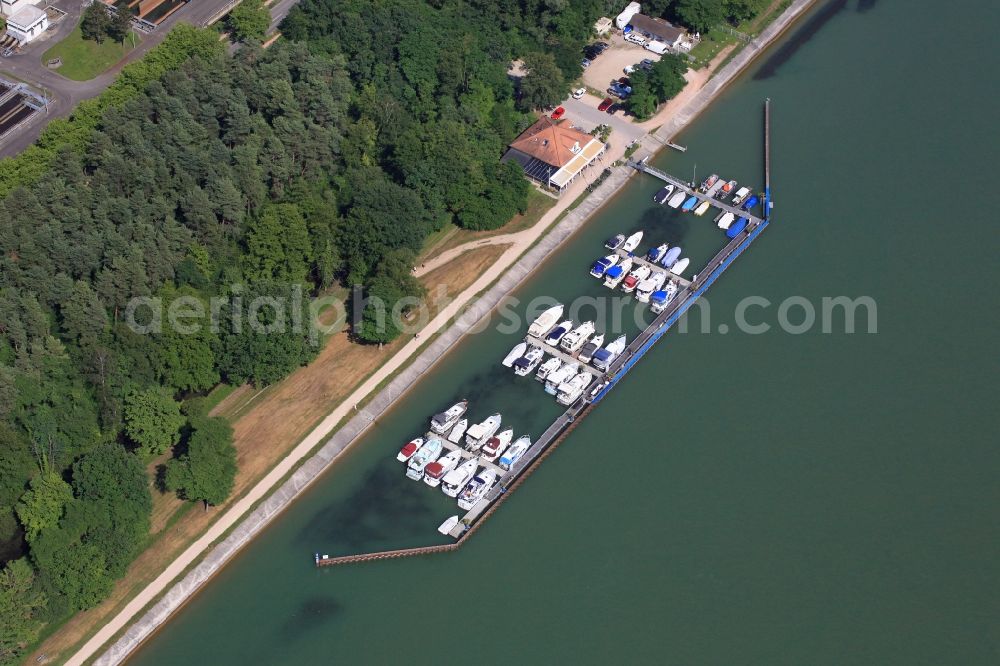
[(205, 473), (153, 419)]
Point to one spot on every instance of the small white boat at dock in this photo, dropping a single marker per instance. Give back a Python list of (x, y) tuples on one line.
[(410, 448), (497, 445), (435, 471), (559, 376), (571, 390), (702, 208), (515, 353), (515, 452), (427, 454), (476, 489), (677, 199), (548, 367), (447, 526), (545, 321), (456, 433), (632, 242), (726, 219), (617, 273), (478, 434), (649, 285), (680, 266), (525, 365), (444, 421), (587, 351)]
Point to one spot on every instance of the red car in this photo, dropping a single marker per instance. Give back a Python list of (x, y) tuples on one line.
[(605, 104), (558, 113)]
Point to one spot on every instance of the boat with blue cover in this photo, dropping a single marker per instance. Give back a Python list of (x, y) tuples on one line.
[(604, 357), (734, 230), (617, 273), (602, 265), (750, 203), (672, 255), (615, 242), (689, 204), (656, 253)]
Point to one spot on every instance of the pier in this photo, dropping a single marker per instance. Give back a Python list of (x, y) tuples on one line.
[(690, 291), (466, 454), (701, 196), (563, 356), (637, 260)]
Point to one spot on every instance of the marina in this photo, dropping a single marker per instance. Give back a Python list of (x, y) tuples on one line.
[(602, 382)]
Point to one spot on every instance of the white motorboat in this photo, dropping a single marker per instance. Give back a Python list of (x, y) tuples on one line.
[(550, 365), (447, 526), (427, 454), (659, 300), (559, 376), (663, 194), (435, 471), (515, 452), (409, 449), (515, 353), (545, 321), (557, 333), (632, 242), (680, 266), (577, 337), (455, 480), (497, 445), (741, 195), (476, 489), (478, 434), (604, 357), (726, 220), (638, 274), (444, 421), (525, 365), (703, 208), (456, 433), (677, 199), (587, 351), (617, 273), (573, 389), (602, 265), (649, 285)]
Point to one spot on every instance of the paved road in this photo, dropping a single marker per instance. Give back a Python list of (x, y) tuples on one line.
[(583, 112), (66, 94)]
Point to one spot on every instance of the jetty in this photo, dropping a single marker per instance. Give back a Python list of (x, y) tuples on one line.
[(641, 261), (563, 356), (603, 382)]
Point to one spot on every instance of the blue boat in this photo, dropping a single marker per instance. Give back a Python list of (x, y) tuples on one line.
[(614, 272), (750, 203), (671, 257), (736, 227), (615, 242), (689, 204), (601, 266), (656, 253)]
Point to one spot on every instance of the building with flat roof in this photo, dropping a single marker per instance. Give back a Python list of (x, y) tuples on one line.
[(553, 153), (27, 23), (10, 7)]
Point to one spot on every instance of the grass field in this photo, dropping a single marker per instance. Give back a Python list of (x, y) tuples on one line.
[(83, 59)]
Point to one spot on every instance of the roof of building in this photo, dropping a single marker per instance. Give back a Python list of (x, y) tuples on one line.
[(26, 16), (552, 143), (656, 27), (577, 164)]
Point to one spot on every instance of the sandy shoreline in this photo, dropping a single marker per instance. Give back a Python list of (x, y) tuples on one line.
[(247, 526)]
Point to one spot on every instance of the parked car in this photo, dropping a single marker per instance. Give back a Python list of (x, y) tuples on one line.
[(594, 50), (629, 69), (618, 90), (579, 92), (606, 104), (646, 64), (614, 108), (635, 39), (625, 81), (585, 63), (7, 52), (558, 113)]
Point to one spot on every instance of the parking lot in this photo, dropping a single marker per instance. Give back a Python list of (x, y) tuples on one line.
[(611, 64)]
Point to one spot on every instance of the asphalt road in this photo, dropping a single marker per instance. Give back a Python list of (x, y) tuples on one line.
[(65, 94)]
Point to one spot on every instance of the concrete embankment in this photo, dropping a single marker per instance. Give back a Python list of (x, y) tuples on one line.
[(310, 470)]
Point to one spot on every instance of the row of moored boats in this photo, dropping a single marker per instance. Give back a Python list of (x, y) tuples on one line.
[(456, 466), (649, 284), (712, 189)]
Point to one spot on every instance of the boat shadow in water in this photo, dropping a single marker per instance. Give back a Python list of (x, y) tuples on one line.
[(312, 614), (663, 224), (386, 505)]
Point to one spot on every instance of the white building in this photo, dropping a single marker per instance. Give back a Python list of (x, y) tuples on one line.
[(10, 7), (631, 10), (27, 23)]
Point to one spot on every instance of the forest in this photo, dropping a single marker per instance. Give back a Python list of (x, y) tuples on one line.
[(324, 160)]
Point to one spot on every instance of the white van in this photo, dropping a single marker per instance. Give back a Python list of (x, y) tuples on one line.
[(635, 38), (657, 47)]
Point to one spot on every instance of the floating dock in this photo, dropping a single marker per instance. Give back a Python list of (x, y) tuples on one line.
[(688, 293), (563, 356), (637, 260)]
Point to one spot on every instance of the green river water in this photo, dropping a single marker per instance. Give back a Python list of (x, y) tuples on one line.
[(737, 499)]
